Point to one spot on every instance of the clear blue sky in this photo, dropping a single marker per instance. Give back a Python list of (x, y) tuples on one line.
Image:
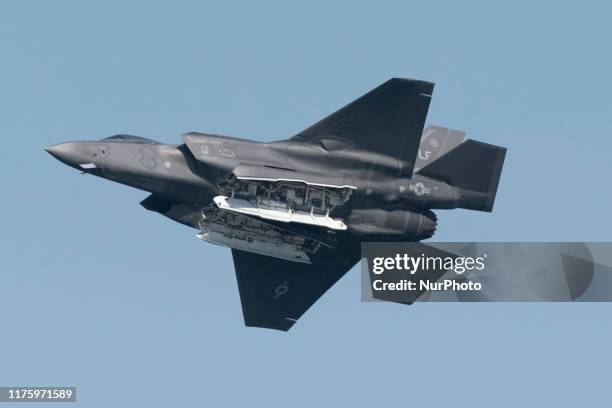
[(135, 311)]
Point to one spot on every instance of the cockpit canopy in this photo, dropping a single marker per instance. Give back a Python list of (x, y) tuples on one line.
[(131, 139)]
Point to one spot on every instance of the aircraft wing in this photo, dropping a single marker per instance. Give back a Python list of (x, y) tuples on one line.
[(388, 120), (275, 293)]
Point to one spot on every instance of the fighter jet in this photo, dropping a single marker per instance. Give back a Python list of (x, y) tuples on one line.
[(295, 211)]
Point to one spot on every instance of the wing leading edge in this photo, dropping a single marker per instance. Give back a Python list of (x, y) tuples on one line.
[(275, 293), (388, 120)]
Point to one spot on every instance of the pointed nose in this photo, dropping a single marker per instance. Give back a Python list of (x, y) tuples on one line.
[(68, 153)]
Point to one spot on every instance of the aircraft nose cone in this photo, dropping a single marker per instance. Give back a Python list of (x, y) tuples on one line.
[(67, 153)]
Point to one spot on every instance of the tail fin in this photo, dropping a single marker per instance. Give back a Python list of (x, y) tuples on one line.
[(472, 167), (435, 142)]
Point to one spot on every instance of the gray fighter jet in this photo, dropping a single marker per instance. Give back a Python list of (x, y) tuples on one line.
[(295, 211)]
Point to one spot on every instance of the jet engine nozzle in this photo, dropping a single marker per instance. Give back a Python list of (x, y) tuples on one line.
[(395, 224)]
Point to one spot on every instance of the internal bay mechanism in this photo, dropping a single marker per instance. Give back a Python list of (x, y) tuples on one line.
[(249, 234), (285, 200)]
